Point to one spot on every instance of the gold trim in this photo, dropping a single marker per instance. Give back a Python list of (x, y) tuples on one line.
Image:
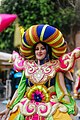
[(8, 104), (40, 83)]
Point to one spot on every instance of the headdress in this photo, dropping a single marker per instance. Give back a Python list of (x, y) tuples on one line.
[(45, 33)]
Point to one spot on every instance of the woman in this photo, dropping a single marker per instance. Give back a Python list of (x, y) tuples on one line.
[(41, 94)]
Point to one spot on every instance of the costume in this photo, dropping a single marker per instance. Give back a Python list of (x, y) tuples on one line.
[(40, 95)]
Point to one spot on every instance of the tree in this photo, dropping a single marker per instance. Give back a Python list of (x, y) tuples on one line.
[(75, 25), (58, 13)]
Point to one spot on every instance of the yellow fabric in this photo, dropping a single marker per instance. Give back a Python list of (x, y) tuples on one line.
[(61, 116), (31, 36), (57, 116), (13, 115)]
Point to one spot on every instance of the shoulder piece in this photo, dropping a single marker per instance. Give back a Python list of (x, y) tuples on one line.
[(67, 61), (18, 61)]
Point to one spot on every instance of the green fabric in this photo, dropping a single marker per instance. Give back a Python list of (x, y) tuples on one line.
[(60, 96), (19, 117), (70, 105), (50, 118), (58, 90), (21, 90)]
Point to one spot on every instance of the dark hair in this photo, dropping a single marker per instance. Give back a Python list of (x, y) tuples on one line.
[(48, 49)]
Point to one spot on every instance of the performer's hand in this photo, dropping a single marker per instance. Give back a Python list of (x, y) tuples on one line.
[(66, 97), (72, 116), (4, 114)]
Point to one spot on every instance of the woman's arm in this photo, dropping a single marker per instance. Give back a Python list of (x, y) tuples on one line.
[(12, 100), (19, 93), (63, 95), (5, 112), (63, 86)]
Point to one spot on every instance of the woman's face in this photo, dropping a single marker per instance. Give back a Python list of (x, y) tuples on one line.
[(40, 51)]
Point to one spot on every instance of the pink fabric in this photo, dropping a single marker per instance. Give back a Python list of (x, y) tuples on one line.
[(18, 61), (35, 117), (23, 102), (6, 20), (68, 60)]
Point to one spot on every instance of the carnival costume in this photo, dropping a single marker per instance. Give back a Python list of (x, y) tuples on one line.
[(40, 96)]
